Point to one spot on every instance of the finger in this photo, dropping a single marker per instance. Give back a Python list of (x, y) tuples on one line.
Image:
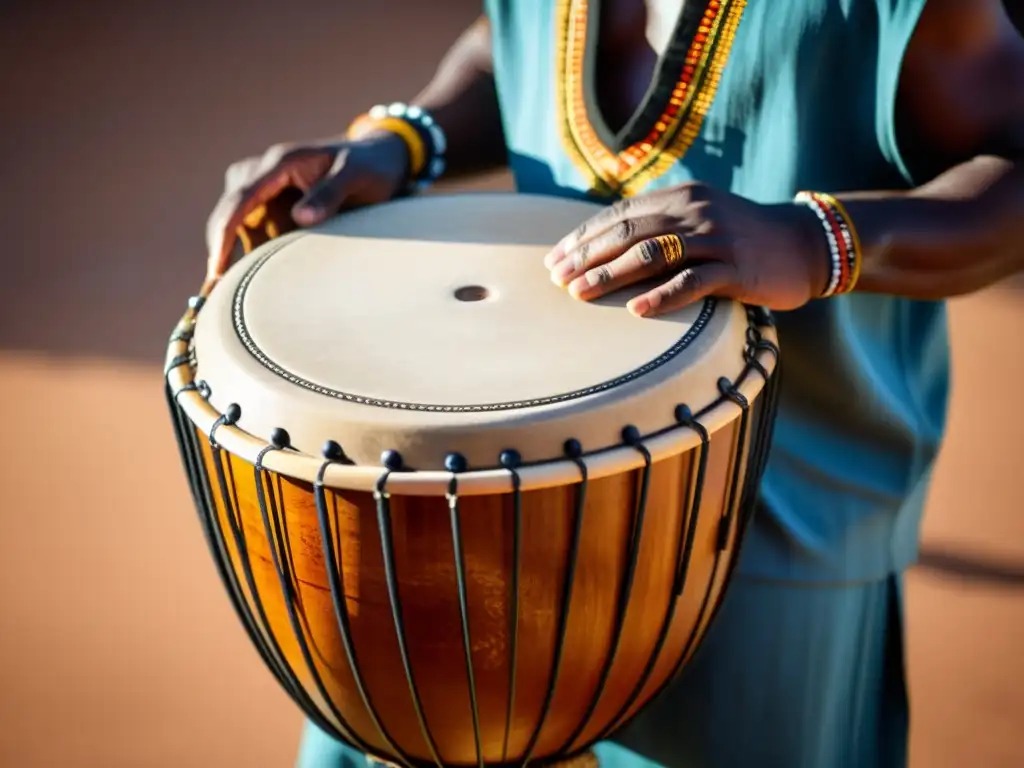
[(629, 208), (270, 220), (239, 174), (692, 284), (234, 207), (593, 226), (609, 244), (256, 182), (649, 258), (325, 198)]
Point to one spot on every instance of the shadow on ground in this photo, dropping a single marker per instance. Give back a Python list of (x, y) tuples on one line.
[(971, 567)]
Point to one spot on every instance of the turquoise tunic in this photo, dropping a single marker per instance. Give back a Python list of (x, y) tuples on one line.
[(806, 101), (803, 668)]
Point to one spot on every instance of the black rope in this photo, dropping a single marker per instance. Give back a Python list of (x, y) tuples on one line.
[(231, 416), (631, 437), (335, 579), (455, 464), (176, 362), (756, 463), (266, 509), (383, 499), (511, 460), (767, 408), (288, 577), (685, 417), (232, 512), (574, 452), (731, 392), (688, 517)]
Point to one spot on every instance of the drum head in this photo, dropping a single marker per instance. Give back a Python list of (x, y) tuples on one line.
[(430, 326)]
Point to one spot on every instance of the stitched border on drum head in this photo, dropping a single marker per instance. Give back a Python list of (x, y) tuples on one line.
[(707, 311)]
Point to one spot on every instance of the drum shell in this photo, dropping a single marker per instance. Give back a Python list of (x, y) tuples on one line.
[(641, 598)]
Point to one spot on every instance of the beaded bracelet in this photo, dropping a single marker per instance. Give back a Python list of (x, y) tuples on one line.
[(843, 243), (365, 125), (426, 155)]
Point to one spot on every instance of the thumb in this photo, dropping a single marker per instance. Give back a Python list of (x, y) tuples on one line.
[(325, 198)]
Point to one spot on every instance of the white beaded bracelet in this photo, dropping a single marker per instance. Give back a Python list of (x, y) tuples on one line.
[(843, 243), (422, 121)]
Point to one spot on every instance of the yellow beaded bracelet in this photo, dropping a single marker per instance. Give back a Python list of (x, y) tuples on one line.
[(365, 124), (858, 253)]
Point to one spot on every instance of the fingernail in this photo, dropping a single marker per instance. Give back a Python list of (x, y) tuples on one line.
[(583, 284), (560, 274), (304, 215), (554, 256), (639, 307)]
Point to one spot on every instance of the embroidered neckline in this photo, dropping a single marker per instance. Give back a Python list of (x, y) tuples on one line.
[(670, 116)]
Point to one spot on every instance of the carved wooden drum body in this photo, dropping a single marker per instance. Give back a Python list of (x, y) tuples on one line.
[(463, 518)]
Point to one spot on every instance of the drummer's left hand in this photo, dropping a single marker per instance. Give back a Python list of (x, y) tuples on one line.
[(769, 255)]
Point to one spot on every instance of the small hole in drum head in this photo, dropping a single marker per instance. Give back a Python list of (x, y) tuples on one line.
[(472, 293)]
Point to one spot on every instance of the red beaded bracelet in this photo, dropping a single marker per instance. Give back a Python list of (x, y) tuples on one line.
[(843, 242)]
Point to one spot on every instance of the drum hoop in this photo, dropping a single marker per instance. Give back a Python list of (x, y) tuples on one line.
[(761, 356)]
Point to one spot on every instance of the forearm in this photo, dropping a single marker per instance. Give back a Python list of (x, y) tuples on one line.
[(959, 233), (463, 100)]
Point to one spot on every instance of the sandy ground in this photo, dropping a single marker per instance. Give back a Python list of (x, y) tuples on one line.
[(117, 647)]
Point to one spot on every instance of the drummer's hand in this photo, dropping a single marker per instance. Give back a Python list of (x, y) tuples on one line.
[(333, 174), (769, 255)]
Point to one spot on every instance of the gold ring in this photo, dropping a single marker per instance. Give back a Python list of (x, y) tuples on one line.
[(673, 249)]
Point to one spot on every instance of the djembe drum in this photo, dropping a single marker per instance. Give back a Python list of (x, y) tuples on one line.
[(464, 518)]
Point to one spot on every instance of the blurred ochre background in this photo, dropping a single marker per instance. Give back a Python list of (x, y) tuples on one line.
[(117, 645)]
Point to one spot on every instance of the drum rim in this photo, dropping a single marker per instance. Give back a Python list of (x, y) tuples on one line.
[(562, 471), (761, 353)]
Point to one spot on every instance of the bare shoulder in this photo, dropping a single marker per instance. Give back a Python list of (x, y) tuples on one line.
[(962, 85)]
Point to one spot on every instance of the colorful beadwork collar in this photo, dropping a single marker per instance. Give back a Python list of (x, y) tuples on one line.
[(670, 117)]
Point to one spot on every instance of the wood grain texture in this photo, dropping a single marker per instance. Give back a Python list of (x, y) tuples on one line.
[(425, 569)]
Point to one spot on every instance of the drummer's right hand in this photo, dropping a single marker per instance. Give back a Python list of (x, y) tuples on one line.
[(332, 174)]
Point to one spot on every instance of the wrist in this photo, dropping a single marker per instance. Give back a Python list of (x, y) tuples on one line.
[(815, 246), (837, 232), (393, 149), (425, 142)]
